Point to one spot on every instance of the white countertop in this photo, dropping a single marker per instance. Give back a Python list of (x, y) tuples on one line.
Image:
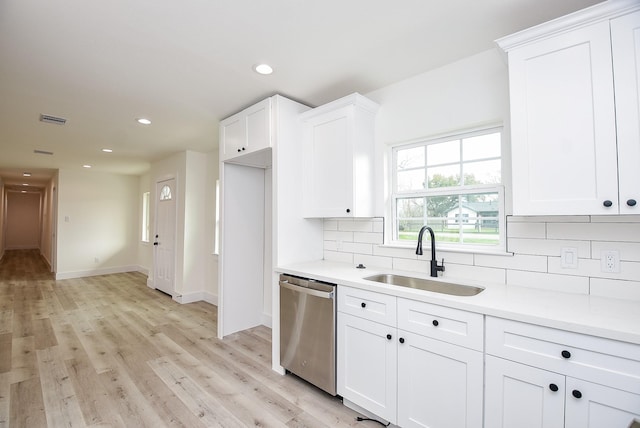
[(598, 316)]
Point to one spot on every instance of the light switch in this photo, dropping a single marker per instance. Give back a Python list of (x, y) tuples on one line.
[(66, 219), (569, 258)]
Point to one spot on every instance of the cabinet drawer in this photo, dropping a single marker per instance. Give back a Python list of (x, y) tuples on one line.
[(442, 323), (367, 304), (597, 359)]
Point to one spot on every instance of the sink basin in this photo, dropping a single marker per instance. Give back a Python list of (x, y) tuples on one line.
[(426, 284)]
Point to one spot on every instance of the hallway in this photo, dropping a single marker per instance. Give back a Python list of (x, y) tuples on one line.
[(109, 351)]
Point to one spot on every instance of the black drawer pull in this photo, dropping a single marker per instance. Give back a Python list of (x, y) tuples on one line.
[(566, 354), (553, 387), (363, 304), (388, 337), (435, 323), (576, 393), (401, 340)]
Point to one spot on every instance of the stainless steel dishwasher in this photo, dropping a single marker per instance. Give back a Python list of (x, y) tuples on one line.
[(308, 330)]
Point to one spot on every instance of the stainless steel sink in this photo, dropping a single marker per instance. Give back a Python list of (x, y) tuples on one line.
[(426, 284)]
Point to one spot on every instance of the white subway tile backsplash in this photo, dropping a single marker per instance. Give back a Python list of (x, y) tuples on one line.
[(517, 262), (616, 219), (355, 225), (623, 232), (629, 290), (526, 230), (334, 235), (547, 247), (335, 256), (477, 273), (629, 251), (368, 237), (404, 253), (536, 243), (330, 224), (547, 281), (354, 247)]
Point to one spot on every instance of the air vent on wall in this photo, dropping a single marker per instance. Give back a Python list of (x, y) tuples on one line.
[(42, 152), (52, 119)]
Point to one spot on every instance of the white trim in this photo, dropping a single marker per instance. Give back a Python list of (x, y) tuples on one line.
[(196, 296), (96, 272)]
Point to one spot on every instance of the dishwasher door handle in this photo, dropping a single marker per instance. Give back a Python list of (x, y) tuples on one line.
[(309, 291)]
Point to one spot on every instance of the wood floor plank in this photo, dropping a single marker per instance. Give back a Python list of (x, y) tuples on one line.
[(24, 365), (5, 394), (6, 321), (5, 352), (27, 406), (44, 336), (60, 402)]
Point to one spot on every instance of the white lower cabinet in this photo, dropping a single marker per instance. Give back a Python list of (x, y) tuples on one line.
[(367, 362), (403, 377), (439, 384), (538, 377)]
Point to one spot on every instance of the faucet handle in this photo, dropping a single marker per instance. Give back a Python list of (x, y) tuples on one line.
[(441, 267)]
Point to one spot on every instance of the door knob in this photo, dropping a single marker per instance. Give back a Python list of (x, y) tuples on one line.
[(155, 243)]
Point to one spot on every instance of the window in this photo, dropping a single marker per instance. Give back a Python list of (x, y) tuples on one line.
[(452, 184), (165, 193), (145, 217)]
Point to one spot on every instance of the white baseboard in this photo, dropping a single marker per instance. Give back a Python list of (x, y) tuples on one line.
[(267, 320), (95, 272)]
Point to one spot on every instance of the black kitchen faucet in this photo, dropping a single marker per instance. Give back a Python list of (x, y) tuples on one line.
[(435, 268)]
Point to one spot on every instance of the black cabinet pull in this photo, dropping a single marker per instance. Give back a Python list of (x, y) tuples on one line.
[(401, 340), (576, 393), (388, 337), (631, 202), (566, 354), (363, 304), (348, 210), (435, 323), (553, 387), (607, 203)]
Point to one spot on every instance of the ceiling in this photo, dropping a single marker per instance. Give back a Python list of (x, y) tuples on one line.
[(187, 64)]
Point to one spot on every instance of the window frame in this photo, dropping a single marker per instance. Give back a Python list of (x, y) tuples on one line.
[(145, 226), (499, 188)]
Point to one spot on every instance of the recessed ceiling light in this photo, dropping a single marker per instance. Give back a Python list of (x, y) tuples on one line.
[(86, 166), (263, 69), (26, 174), (143, 121), (25, 184), (107, 150), (23, 191)]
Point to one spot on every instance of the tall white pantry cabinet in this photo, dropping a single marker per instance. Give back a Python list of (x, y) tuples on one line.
[(575, 121), (261, 223)]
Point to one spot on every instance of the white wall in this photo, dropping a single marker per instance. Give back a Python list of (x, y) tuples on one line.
[(462, 95), (2, 218), (97, 223), (211, 259), (145, 249)]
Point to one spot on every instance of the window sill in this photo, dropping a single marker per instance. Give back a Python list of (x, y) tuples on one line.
[(475, 250)]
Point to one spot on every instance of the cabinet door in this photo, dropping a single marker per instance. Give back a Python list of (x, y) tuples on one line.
[(563, 124), (366, 365), (625, 43), (233, 136), (522, 396), (329, 164), (439, 384), (597, 406), (258, 124)]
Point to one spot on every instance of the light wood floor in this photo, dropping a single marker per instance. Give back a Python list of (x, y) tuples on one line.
[(109, 351)]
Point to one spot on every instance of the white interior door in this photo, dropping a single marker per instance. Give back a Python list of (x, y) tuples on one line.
[(165, 237)]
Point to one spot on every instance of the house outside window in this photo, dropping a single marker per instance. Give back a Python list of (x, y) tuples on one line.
[(145, 217), (452, 184)]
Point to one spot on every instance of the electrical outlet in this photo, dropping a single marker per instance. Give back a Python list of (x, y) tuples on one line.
[(610, 261)]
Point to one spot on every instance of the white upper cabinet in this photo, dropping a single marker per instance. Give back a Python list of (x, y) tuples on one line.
[(246, 132), (339, 158), (567, 155)]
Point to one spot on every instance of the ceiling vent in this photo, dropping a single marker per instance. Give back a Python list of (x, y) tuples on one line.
[(42, 152), (52, 119)]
